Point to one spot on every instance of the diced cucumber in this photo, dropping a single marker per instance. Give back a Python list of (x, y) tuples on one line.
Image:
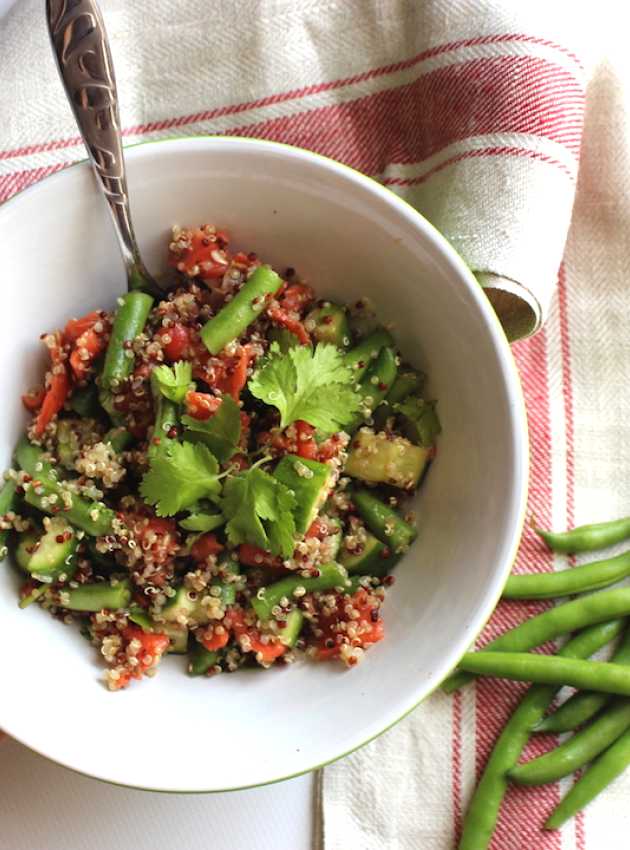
[(370, 555), (384, 459), (8, 501), (360, 357), (67, 443), (178, 636), (201, 660), (291, 632), (310, 481), (50, 554), (329, 323), (407, 381), (363, 318), (383, 521), (334, 536), (185, 603), (418, 420), (95, 597)]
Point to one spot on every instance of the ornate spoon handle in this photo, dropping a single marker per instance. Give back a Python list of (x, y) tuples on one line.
[(80, 45)]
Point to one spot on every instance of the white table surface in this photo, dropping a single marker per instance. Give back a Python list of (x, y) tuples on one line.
[(45, 807)]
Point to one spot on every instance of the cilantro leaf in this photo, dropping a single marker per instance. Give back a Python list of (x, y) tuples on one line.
[(173, 382), (179, 477), (259, 511), (221, 432), (314, 386)]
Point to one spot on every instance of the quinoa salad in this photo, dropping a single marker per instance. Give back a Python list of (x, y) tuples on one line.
[(219, 474)]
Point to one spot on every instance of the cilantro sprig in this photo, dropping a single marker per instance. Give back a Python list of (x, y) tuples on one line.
[(259, 510), (179, 477), (220, 433), (173, 382), (314, 386)]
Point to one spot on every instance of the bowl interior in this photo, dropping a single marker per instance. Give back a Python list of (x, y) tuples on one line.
[(349, 238)]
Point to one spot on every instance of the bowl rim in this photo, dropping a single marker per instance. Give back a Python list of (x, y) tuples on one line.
[(502, 350)]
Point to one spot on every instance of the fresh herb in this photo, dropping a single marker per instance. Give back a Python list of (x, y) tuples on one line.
[(198, 521), (314, 386), (221, 432), (259, 511), (179, 477), (173, 382)]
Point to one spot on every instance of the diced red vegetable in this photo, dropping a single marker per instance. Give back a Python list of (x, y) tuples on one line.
[(253, 556), (213, 640), (179, 341), (306, 445), (206, 258), (93, 344), (77, 327), (32, 401), (204, 547), (201, 405), (266, 653), (281, 317)]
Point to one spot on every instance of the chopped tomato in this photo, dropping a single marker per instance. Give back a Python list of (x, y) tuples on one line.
[(179, 339), (282, 317), (266, 653), (77, 327), (153, 644), (57, 390), (158, 538), (213, 640), (318, 528), (32, 401), (201, 405), (253, 556), (93, 344), (240, 461), (330, 448), (235, 377), (205, 258), (306, 445), (204, 547), (296, 297)]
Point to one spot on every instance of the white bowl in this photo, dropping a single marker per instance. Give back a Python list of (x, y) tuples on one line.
[(349, 237)]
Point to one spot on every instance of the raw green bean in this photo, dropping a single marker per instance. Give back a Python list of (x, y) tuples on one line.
[(330, 576), (201, 660), (587, 538), (383, 521), (359, 358), (578, 750), (483, 809), (373, 387), (246, 306), (129, 321), (592, 576), (7, 503), (94, 597), (598, 776), (547, 669), (557, 621), (93, 517), (583, 705), (118, 438)]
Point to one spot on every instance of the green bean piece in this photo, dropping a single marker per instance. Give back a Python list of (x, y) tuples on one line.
[(118, 438), (577, 751), (557, 621), (246, 306), (92, 517), (598, 776), (408, 381), (592, 576), (587, 538), (130, 319), (359, 358), (93, 597), (201, 660), (330, 576), (483, 808), (547, 669), (374, 386), (33, 596), (383, 521), (583, 705), (7, 503), (165, 418)]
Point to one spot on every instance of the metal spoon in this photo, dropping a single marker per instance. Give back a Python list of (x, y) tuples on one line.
[(80, 45)]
